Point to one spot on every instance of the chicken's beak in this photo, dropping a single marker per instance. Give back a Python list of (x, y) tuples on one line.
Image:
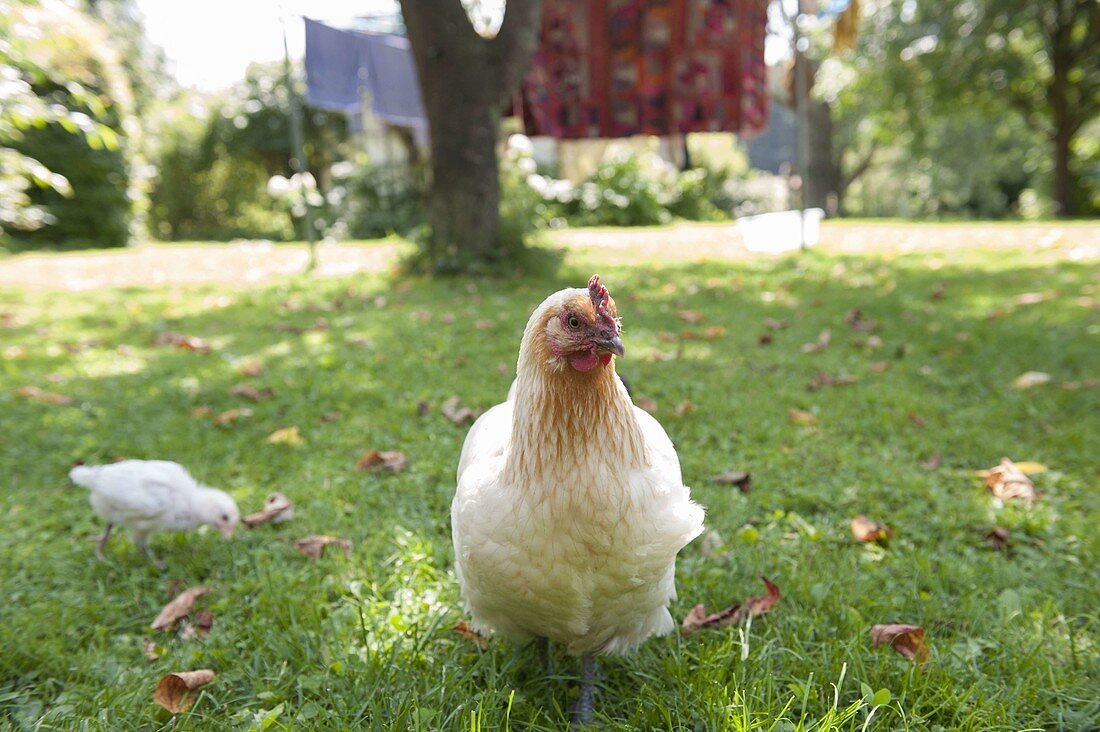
[(226, 529), (612, 344)]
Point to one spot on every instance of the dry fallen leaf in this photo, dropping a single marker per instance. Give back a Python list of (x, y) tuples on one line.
[(647, 404), (330, 417), (741, 479), (800, 416), (1030, 379), (457, 414), (1008, 482), (868, 342), (277, 508), (855, 321), (690, 316), (751, 607), (250, 392), (314, 546), (199, 625), (916, 419), (232, 415), (684, 408), (174, 690), (822, 380), (484, 324), (714, 332), (1076, 385), (179, 607), (713, 543), (40, 395), (186, 342), (1032, 298), (932, 462), (939, 290), (773, 324), (390, 460), (819, 345), (998, 538), (764, 339), (864, 529), (250, 368), (286, 436), (908, 640), (879, 367), (202, 411), (149, 649), (466, 632)]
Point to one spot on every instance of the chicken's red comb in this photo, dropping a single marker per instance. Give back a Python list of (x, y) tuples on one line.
[(601, 302)]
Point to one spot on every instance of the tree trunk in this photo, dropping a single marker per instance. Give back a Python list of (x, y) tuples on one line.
[(465, 81), (1065, 200), (822, 173)]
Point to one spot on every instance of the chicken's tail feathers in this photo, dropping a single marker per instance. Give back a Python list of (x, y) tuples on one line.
[(83, 475)]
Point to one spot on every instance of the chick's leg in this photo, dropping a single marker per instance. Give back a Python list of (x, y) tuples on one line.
[(586, 702), (101, 541), (542, 652), (142, 541)]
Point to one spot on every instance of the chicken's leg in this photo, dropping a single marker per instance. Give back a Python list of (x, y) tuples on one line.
[(586, 704), (101, 541), (142, 541), (542, 651)]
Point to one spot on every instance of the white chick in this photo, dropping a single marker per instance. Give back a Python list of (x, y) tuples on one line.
[(152, 495)]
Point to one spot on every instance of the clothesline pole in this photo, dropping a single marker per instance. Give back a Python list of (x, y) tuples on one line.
[(800, 125), (297, 154)]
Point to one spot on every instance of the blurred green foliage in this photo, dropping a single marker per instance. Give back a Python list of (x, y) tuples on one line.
[(214, 161), (64, 115)]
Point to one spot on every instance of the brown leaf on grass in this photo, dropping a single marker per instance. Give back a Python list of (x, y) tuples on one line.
[(199, 625), (277, 508), (879, 367), (390, 460), (908, 640), (713, 543), (822, 380), (1008, 482), (423, 407), (1076, 385), (666, 337), (764, 339), (739, 478), (1030, 379), (232, 415), (801, 416), (864, 529), (458, 414), (286, 436), (647, 404), (180, 607), (202, 411), (174, 691), (939, 290), (503, 369), (250, 392), (868, 342), (250, 368), (684, 408), (998, 538), (41, 395), (320, 324), (314, 546), (179, 340), (149, 649), (690, 316), (773, 324), (916, 419), (447, 318), (688, 335), (698, 618), (819, 345), (1032, 298), (714, 332), (932, 462), (330, 417), (484, 324), (854, 319), (464, 631)]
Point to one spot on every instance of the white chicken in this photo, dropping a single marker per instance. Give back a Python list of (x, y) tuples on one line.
[(152, 495), (570, 506)]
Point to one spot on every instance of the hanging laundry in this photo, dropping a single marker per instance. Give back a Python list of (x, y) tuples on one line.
[(615, 68), (342, 63)]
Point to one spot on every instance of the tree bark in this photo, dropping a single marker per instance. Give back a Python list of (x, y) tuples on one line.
[(1064, 127), (465, 81)]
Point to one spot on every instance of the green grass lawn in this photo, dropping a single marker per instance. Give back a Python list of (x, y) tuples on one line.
[(365, 641)]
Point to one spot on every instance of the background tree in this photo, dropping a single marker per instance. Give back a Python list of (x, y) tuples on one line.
[(466, 81)]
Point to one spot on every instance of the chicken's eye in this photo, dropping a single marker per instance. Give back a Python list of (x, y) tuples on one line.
[(225, 517), (574, 323)]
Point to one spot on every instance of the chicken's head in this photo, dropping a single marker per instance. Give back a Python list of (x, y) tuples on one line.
[(220, 511), (584, 331)]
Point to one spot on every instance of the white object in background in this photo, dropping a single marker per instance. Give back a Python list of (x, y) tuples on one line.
[(772, 233)]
